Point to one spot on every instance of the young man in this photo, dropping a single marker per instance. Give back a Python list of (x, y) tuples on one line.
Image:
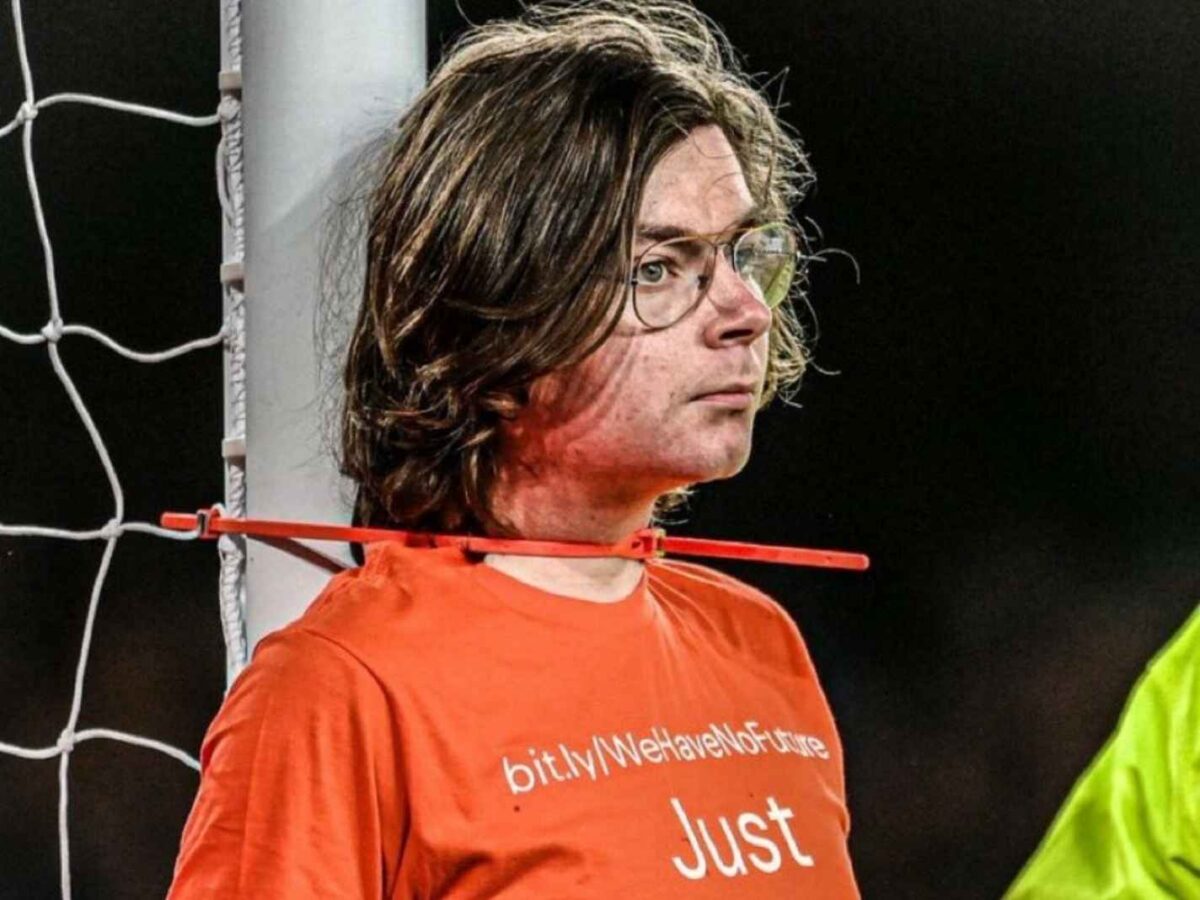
[(576, 300)]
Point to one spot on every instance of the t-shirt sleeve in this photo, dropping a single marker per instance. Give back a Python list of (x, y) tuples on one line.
[(300, 792), (803, 666), (1131, 826)]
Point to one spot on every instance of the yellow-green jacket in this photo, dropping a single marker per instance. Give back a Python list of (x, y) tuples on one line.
[(1131, 825)]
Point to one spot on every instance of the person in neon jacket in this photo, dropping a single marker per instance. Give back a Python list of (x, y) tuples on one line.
[(1131, 825)]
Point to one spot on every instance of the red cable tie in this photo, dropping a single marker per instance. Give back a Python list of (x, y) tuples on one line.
[(642, 544)]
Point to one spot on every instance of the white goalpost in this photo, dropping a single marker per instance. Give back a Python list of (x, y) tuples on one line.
[(322, 80), (304, 84)]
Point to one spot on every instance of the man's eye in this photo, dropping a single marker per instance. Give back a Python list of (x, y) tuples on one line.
[(653, 272)]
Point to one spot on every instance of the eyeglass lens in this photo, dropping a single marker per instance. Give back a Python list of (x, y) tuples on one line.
[(671, 276)]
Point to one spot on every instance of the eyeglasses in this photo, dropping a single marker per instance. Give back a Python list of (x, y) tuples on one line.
[(670, 278)]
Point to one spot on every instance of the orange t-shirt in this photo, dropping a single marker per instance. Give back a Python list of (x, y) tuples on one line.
[(432, 727)]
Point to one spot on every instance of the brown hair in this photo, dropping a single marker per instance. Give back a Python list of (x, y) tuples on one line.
[(500, 214)]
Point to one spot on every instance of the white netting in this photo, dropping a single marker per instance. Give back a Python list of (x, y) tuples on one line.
[(229, 188)]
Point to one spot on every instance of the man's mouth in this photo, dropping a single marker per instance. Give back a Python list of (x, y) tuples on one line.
[(735, 395)]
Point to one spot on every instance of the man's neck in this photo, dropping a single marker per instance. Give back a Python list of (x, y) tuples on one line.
[(559, 509)]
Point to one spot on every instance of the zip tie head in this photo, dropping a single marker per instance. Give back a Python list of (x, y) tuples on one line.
[(647, 543)]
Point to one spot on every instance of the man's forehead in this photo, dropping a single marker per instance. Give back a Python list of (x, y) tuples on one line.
[(698, 181)]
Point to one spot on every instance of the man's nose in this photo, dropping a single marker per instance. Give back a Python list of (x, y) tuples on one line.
[(743, 316)]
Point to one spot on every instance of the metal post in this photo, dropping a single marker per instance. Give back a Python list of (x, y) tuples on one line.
[(320, 80)]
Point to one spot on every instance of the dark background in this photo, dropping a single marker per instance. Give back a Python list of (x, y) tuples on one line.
[(1011, 435)]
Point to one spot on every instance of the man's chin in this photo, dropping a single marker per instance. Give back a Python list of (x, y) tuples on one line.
[(721, 467)]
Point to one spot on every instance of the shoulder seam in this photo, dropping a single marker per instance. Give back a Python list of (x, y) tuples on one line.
[(344, 650)]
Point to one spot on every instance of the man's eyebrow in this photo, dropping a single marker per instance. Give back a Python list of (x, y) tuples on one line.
[(655, 231)]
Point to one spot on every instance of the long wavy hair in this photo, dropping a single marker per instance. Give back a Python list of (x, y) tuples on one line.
[(497, 217)]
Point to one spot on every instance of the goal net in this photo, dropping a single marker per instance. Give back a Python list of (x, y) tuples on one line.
[(321, 83)]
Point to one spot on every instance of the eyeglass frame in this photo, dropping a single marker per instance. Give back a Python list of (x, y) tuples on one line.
[(729, 244)]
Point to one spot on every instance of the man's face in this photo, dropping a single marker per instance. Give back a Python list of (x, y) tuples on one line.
[(652, 410)]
